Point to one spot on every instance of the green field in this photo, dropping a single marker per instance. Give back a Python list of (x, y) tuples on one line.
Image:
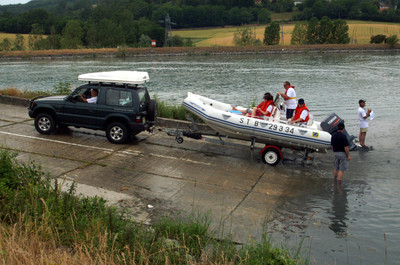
[(360, 32), (11, 37)]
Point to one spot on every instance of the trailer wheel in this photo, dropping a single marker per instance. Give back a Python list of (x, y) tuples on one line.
[(179, 140), (271, 156)]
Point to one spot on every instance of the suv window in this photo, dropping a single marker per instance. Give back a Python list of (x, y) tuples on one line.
[(142, 95), (116, 97)]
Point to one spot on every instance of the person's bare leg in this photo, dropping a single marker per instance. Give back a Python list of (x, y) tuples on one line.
[(335, 173), (253, 114), (340, 175), (362, 138)]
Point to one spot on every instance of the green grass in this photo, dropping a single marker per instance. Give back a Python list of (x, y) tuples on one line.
[(37, 208)]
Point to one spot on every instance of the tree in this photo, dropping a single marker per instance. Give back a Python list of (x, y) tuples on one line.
[(54, 39), (325, 31), (340, 32), (71, 35), (299, 34), (149, 28), (263, 16), (109, 34), (5, 45), (244, 36), (392, 40), (35, 39), (395, 3), (312, 31), (369, 11), (271, 34), (283, 6), (18, 43), (144, 41)]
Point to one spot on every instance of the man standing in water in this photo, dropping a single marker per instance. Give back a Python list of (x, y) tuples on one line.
[(363, 119), (340, 146), (290, 99)]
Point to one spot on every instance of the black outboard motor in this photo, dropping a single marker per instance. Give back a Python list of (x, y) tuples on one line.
[(330, 123)]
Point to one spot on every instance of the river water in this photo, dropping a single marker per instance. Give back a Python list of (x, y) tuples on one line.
[(357, 222)]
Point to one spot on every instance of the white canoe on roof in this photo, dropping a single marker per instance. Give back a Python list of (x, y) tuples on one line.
[(120, 77)]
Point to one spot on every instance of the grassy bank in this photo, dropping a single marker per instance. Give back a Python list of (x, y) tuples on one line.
[(192, 51), (40, 224)]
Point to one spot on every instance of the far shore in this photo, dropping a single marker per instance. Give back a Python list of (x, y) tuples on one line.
[(194, 51)]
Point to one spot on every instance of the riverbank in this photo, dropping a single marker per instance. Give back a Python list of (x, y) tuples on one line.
[(194, 51)]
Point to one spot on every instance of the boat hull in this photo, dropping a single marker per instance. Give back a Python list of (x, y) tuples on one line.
[(216, 115)]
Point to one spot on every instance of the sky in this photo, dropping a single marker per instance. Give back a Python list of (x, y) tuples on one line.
[(11, 2)]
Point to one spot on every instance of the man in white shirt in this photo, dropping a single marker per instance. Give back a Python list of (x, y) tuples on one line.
[(290, 99), (93, 98), (363, 121)]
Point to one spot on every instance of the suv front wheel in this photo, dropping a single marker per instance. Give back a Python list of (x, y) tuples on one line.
[(117, 133), (45, 123)]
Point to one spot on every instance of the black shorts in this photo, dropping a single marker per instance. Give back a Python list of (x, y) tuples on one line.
[(289, 113)]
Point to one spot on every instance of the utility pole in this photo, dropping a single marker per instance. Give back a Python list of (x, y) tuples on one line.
[(168, 29)]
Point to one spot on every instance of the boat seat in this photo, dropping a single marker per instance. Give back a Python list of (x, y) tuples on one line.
[(275, 115)]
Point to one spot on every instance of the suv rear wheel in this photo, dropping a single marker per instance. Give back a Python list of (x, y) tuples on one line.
[(117, 133), (45, 123)]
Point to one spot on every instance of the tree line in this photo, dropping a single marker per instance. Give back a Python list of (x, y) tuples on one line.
[(70, 24), (112, 23), (349, 9)]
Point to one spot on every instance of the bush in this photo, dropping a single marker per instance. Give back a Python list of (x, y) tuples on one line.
[(62, 88), (244, 36), (271, 34), (377, 39), (392, 40)]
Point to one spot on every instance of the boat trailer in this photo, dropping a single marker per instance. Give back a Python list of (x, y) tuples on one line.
[(270, 154)]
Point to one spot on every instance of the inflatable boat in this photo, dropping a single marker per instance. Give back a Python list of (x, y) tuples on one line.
[(272, 131)]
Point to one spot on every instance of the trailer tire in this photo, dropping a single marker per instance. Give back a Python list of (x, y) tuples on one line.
[(271, 156)]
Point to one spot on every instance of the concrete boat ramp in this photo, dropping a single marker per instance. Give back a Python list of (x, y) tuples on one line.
[(153, 176)]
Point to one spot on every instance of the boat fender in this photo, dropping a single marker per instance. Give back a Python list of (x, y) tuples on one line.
[(272, 146)]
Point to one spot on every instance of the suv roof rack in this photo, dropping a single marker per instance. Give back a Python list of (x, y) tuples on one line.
[(118, 77)]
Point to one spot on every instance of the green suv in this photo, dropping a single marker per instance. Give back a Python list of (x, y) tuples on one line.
[(123, 107)]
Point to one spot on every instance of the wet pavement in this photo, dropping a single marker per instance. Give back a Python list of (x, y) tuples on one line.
[(153, 176)]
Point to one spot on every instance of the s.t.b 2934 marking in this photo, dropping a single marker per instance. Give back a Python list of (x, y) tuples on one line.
[(269, 126)]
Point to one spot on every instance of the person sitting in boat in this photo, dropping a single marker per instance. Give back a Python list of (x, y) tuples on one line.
[(301, 113), (264, 108)]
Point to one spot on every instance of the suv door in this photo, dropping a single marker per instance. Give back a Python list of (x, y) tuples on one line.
[(78, 113), (119, 102)]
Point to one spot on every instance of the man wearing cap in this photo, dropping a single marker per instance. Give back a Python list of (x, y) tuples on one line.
[(363, 121), (301, 113), (290, 99), (340, 146)]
